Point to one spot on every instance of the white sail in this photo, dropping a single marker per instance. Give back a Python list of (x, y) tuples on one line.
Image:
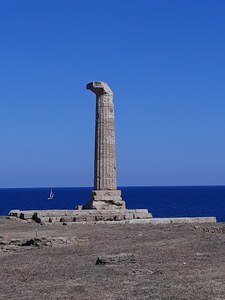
[(51, 195)]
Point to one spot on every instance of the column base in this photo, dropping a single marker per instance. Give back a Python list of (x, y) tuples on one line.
[(106, 199)]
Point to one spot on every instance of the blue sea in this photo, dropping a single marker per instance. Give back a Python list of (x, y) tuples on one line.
[(176, 201)]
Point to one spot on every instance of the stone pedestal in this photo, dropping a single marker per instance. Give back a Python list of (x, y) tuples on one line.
[(105, 194), (111, 199)]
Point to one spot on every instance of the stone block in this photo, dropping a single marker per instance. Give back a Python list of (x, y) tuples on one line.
[(79, 207), (26, 215), (106, 199), (128, 216), (99, 218), (119, 217), (116, 259), (67, 219), (90, 218), (54, 219), (80, 219), (106, 193), (15, 213)]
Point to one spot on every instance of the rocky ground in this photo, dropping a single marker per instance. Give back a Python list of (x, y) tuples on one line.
[(55, 261)]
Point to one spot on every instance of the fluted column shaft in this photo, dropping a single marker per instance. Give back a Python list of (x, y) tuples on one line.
[(105, 160)]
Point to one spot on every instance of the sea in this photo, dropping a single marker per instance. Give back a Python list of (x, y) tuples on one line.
[(182, 201)]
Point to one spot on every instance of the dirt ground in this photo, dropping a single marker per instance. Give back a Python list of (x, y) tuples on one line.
[(177, 261)]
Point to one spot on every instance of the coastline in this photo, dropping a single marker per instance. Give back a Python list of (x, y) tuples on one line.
[(162, 202)]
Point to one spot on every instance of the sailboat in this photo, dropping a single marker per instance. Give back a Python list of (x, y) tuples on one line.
[(51, 195)]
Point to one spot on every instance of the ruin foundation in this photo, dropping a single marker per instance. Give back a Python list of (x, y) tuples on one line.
[(69, 217), (79, 215)]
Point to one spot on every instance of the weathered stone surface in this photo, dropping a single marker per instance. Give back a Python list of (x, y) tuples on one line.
[(115, 216), (15, 213), (55, 212), (51, 216), (105, 194), (213, 229), (116, 259), (26, 215), (79, 207), (17, 244), (182, 220)]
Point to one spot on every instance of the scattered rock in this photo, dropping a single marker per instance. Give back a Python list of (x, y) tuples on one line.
[(116, 259), (3, 242), (196, 227), (213, 229), (18, 244)]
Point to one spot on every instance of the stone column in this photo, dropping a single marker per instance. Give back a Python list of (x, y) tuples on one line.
[(105, 194)]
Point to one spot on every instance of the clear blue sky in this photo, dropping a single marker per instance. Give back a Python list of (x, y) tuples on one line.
[(164, 60)]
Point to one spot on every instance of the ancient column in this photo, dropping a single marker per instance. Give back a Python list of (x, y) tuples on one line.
[(105, 194)]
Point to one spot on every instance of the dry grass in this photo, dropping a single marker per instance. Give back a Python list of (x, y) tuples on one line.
[(173, 262)]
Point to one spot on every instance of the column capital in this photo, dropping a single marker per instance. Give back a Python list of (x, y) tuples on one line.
[(99, 88)]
